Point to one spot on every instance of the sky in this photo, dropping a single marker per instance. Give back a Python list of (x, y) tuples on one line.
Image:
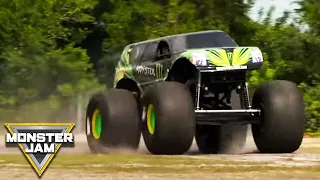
[(280, 5)]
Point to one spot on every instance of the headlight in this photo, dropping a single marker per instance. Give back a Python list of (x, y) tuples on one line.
[(256, 55), (199, 59)]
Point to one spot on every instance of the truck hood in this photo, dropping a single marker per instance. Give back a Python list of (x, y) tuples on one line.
[(235, 56)]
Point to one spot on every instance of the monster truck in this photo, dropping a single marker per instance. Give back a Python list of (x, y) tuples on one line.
[(180, 87)]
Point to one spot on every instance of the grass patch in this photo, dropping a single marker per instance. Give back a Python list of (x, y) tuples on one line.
[(312, 134), (151, 164)]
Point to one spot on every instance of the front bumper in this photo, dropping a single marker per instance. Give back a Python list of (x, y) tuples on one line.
[(220, 117)]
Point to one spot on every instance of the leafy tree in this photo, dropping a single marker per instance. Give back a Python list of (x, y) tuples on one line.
[(34, 64), (309, 11)]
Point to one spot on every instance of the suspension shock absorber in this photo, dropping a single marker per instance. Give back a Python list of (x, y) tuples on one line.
[(198, 89), (244, 96)]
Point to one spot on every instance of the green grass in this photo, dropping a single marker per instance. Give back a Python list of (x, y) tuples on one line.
[(151, 164), (312, 134)]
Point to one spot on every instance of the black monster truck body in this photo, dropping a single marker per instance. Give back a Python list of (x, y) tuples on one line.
[(195, 84), (209, 62)]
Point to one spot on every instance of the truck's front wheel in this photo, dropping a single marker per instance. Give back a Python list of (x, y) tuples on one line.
[(281, 125)]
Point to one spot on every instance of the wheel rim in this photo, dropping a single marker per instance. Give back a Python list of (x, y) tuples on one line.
[(151, 119), (96, 124)]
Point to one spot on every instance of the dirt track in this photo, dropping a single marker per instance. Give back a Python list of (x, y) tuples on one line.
[(308, 155)]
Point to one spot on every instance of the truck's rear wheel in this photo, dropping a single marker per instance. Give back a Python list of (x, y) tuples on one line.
[(223, 139), (113, 121), (169, 123), (281, 125), (226, 139)]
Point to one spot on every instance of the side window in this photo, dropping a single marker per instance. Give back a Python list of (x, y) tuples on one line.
[(149, 52), (163, 51)]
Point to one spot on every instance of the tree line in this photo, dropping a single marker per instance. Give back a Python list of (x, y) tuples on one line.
[(53, 50)]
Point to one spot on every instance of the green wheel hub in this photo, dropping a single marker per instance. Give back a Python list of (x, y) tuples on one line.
[(151, 119), (96, 124)]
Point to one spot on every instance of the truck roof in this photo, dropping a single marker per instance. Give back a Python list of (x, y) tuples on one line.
[(176, 35)]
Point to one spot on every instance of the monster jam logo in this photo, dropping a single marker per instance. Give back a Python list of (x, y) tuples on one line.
[(39, 142)]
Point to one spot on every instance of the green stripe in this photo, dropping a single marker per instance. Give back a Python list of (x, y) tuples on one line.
[(217, 54)]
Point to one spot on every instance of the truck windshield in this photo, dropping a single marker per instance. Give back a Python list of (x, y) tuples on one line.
[(209, 39)]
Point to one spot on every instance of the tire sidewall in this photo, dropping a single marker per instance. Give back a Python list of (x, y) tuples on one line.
[(281, 125), (97, 145), (150, 97), (175, 123)]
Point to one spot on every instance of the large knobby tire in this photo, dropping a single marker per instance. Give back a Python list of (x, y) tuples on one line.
[(113, 121), (282, 119), (225, 139), (169, 124)]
